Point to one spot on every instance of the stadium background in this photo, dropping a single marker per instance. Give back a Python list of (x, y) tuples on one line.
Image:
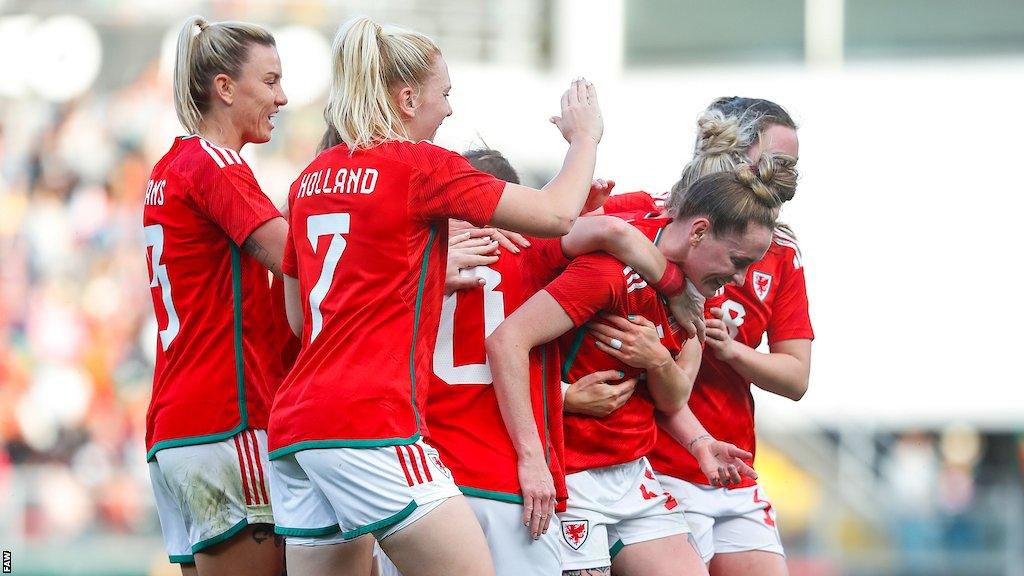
[(906, 455)]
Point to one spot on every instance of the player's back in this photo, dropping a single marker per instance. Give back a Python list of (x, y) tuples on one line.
[(367, 243), (462, 409), (211, 374)]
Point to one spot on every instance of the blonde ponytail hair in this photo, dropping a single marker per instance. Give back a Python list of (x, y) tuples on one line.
[(205, 50), (369, 60), (734, 199)]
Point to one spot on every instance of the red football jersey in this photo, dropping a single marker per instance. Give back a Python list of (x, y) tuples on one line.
[(212, 376), (774, 300), (599, 282), (631, 202), (463, 416), (368, 242)]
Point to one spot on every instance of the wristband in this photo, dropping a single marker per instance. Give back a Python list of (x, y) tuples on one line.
[(689, 447), (672, 282), (565, 390)]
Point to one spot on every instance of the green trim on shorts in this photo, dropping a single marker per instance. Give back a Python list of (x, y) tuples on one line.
[(416, 324), (307, 532), (381, 524), (492, 495), (616, 548), (182, 559), (193, 440), (236, 294), (200, 546), (571, 356), (318, 444)]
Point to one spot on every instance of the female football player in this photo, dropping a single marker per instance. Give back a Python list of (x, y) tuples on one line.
[(211, 235)]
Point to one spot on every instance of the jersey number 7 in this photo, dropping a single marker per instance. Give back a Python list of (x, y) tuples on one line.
[(319, 225)]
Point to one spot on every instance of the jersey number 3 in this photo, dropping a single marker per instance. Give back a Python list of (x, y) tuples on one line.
[(154, 234), (444, 349)]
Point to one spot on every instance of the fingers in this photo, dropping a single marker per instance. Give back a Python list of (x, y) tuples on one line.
[(565, 101), (577, 94), (592, 97), (608, 331), (595, 377), (613, 352), (734, 452), (718, 313), (453, 240), (702, 331), (640, 321), (617, 321), (456, 283), (516, 237), (467, 261), (747, 471)]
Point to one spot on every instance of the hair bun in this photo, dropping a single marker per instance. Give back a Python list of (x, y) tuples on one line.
[(717, 134), (772, 179)]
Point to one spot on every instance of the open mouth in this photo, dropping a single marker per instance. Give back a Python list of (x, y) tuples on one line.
[(270, 118)]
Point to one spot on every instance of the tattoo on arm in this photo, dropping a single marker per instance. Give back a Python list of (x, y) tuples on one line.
[(260, 253), (602, 571)]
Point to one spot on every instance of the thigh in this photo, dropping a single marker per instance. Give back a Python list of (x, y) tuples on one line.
[(350, 558), (303, 513), (254, 550), (750, 562), (667, 556), (513, 551), (448, 540)]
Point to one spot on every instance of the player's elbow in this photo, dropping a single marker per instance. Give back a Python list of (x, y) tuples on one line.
[(497, 344), (555, 224), (672, 403), (797, 392)]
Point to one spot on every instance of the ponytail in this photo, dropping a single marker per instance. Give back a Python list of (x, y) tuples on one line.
[(368, 61)]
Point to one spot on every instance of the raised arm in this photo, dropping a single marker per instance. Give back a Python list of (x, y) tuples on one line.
[(536, 322), (551, 212), (630, 246)]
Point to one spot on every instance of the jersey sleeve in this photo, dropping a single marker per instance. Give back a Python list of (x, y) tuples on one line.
[(542, 262), (445, 185), (790, 318), (590, 283), (630, 202), (233, 199)]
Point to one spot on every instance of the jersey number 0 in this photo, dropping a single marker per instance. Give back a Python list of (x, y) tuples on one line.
[(444, 349)]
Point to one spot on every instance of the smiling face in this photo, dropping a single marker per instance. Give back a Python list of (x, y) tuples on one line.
[(259, 94), (712, 260), (426, 106)]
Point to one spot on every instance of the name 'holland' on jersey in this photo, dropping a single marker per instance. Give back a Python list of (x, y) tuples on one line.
[(341, 181)]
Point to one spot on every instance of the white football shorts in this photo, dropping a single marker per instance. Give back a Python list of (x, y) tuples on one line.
[(513, 550), (727, 520), (207, 493), (330, 495), (613, 507)]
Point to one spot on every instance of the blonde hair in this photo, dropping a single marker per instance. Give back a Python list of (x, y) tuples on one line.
[(369, 60), (205, 50), (726, 131), (733, 199)]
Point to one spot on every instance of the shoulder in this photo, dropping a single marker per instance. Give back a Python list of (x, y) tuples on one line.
[(784, 247), (200, 160), (424, 156)]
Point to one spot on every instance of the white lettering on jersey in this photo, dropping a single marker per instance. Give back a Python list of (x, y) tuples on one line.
[(155, 192), (444, 348), (342, 181), (733, 318), (633, 280)]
